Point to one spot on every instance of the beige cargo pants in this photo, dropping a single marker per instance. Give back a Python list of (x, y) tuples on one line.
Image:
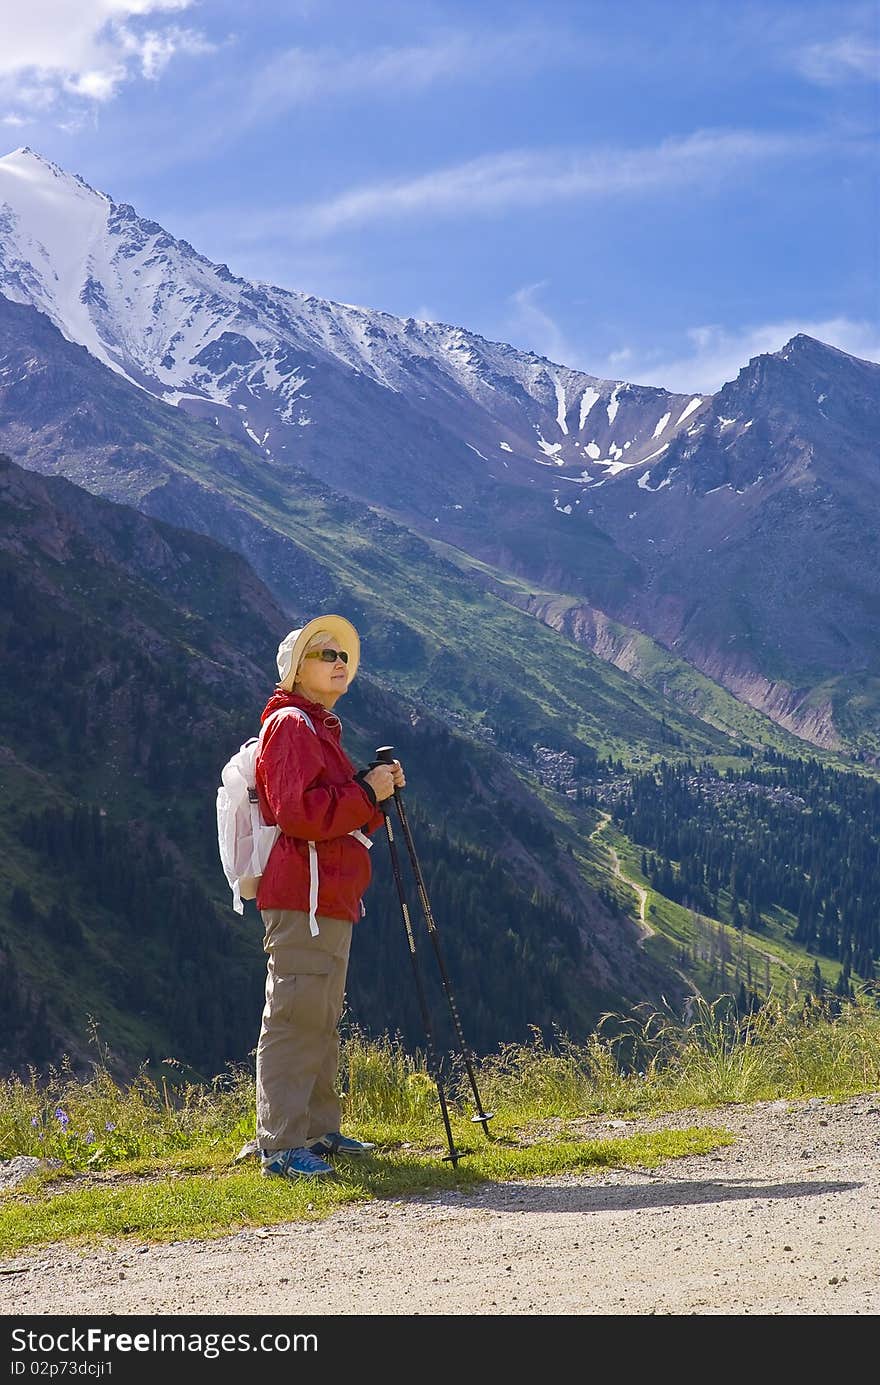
[(298, 1047)]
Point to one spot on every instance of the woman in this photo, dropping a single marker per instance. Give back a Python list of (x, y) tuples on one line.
[(310, 895)]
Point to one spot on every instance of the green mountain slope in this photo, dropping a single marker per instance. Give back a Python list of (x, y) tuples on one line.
[(641, 658), (135, 658), (429, 630)]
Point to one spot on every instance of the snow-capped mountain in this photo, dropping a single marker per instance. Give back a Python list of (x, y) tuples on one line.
[(740, 529), (294, 374)]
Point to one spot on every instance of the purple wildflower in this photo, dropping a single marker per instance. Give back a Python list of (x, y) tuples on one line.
[(62, 1118), (108, 1125)]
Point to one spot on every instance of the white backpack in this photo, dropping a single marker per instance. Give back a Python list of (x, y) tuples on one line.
[(243, 839)]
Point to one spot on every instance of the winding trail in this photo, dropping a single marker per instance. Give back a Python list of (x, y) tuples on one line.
[(646, 930)]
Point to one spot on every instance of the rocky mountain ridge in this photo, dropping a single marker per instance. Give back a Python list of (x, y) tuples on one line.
[(737, 530)]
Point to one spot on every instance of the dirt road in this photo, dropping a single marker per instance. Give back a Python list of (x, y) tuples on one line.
[(786, 1221)]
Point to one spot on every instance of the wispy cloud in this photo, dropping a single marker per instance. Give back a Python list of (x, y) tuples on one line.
[(58, 53), (850, 57), (252, 94), (304, 76), (531, 323), (527, 178), (715, 354)]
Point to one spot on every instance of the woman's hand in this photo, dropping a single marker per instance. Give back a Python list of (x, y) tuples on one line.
[(384, 779), (381, 780)]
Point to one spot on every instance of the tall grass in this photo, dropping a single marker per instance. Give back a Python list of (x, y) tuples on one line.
[(647, 1063), (96, 1123), (644, 1063)]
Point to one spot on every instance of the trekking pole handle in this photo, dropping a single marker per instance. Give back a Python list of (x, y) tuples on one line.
[(384, 756)]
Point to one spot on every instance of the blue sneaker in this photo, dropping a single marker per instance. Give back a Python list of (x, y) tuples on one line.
[(335, 1143), (293, 1163)]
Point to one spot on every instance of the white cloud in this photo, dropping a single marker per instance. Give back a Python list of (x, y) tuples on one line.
[(299, 76), (716, 354), (86, 50), (531, 178), (847, 58), (154, 49), (96, 84)]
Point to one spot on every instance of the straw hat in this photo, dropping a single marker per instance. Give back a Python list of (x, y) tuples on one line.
[(293, 646)]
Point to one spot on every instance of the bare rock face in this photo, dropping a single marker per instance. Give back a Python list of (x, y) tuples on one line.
[(789, 707)]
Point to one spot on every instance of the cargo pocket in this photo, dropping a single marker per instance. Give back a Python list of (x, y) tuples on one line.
[(298, 991), (301, 961)]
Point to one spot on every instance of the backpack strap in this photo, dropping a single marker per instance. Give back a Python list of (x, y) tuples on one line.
[(313, 850), (288, 711)]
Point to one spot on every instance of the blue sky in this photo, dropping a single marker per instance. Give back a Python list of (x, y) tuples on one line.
[(650, 191)]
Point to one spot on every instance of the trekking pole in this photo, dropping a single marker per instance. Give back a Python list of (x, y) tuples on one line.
[(385, 755), (454, 1155)]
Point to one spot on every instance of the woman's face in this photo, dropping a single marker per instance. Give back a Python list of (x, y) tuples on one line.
[(322, 682)]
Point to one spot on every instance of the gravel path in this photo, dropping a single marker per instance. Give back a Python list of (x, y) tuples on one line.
[(784, 1221)]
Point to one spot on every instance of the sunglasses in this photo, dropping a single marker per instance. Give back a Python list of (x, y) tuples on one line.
[(328, 656)]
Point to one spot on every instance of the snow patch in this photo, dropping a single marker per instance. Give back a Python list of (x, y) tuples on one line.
[(613, 404), (662, 424), (175, 396), (592, 450), (560, 404), (643, 484), (505, 447), (588, 399), (651, 455), (550, 448), (477, 450), (60, 222), (614, 468), (689, 408)]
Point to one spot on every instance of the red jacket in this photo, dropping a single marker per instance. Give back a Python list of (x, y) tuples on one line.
[(306, 784)]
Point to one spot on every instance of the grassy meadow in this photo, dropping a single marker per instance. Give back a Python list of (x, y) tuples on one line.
[(155, 1159)]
